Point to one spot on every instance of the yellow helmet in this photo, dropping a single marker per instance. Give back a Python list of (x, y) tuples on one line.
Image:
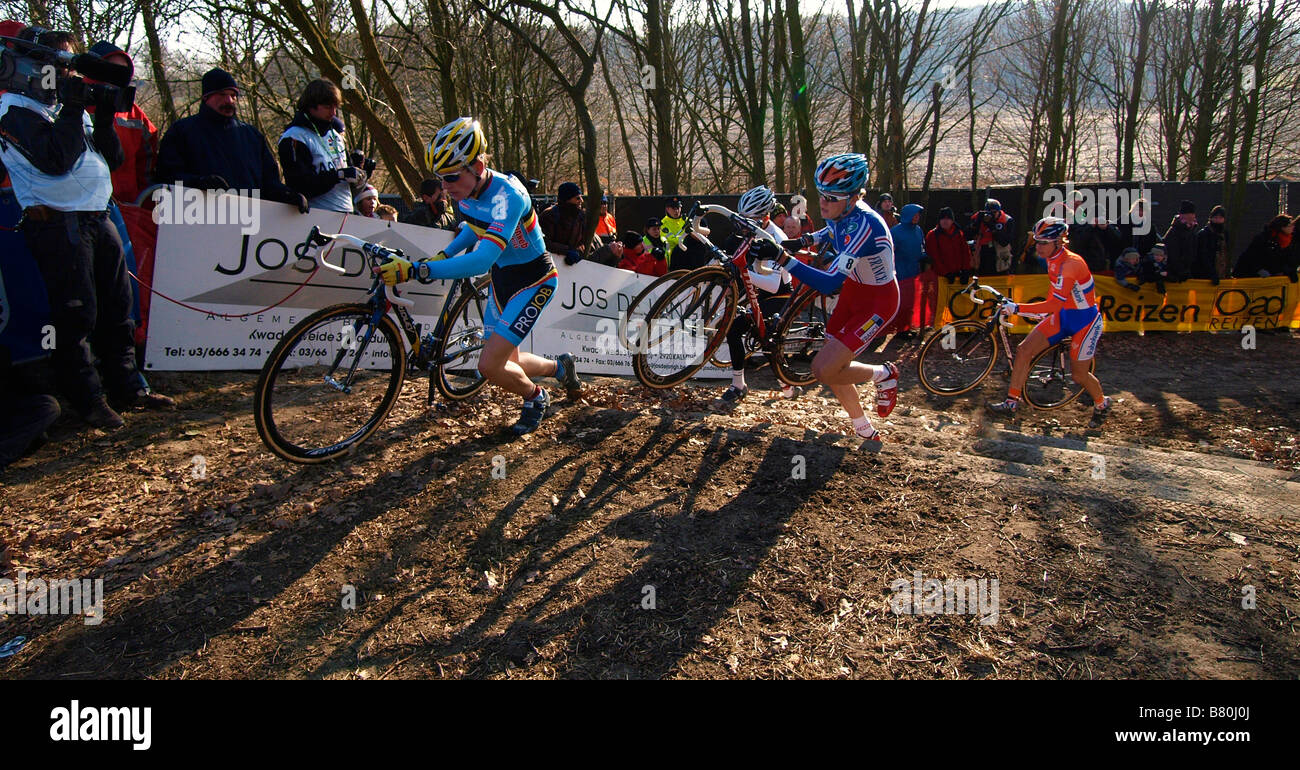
[(455, 146)]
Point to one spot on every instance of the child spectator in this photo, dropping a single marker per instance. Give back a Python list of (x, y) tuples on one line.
[(367, 200), (1155, 268), (1127, 269), (386, 212)]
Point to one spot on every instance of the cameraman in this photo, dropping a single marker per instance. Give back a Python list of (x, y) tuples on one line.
[(312, 152), (60, 164), (991, 231)]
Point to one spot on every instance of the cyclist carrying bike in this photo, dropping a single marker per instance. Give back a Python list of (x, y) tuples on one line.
[(499, 232), (1070, 311), (772, 290), (864, 267)]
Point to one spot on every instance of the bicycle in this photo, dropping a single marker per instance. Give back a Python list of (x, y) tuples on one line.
[(690, 321), (332, 378), (957, 358)]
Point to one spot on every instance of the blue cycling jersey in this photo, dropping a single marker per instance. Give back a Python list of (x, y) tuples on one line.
[(500, 226), (865, 252)]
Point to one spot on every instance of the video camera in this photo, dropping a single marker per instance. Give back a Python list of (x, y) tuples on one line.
[(358, 159), (42, 73)]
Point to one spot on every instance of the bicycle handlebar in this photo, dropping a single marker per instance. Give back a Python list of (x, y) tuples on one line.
[(750, 227), (316, 239)]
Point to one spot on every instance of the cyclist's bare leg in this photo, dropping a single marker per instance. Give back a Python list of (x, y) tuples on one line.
[(834, 367), (534, 365), (1080, 371), (503, 365), (1029, 347)]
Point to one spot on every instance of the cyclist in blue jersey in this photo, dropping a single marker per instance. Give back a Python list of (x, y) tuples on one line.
[(864, 267), (500, 234)]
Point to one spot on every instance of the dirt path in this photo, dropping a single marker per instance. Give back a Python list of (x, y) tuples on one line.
[(648, 535)]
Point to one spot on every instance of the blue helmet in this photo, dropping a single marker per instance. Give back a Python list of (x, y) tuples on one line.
[(842, 175)]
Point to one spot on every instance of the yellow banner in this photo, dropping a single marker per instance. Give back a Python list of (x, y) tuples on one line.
[(1191, 306)]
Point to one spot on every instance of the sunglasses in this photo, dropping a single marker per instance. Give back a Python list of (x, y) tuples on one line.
[(445, 178), (833, 198)]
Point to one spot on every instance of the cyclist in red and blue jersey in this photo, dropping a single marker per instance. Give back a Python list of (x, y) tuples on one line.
[(499, 234), (1071, 311), (864, 268)]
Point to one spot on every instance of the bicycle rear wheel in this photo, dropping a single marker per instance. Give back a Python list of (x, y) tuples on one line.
[(799, 336), (329, 383), (455, 362), (956, 358), (632, 320), (685, 327), (1050, 384)]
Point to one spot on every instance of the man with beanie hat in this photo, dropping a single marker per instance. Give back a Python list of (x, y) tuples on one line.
[(1180, 243), (885, 206), (564, 224), (946, 247), (214, 150), (1212, 261), (137, 134)]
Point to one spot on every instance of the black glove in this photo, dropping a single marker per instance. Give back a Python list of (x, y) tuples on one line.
[(353, 176), (1293, 278), (765, 249), (793, 244), (572, 257), (212, 182), (303, 206), (72, 93)]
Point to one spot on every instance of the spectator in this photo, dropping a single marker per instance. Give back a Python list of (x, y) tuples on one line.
[(385, 212), (367, 200), (432, 210), (654, 241), (885, 205), (64, 188), (1180, 242), (610, 254), (214, 150), (792, 227), (312, 151), (909, 252), (1272, 252), (136, 133), (1155, 268), (1212, 263), (991, 230), (638, 257), (1096, 240), (946, 247), (564, 223), (606, 225), (1127, 269), (673, 226), (780, 215)]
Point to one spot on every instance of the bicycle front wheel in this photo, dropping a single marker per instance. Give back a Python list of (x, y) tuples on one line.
[(329, 383), (1050, 384), (455, 364), (685, 327), (632, 320), (956, 358), (799, 337)]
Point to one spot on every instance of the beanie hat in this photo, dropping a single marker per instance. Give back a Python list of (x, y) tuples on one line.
[(217, 79), (1187, 207), (946, 213), (368, 191), (1219, 211), (567, 191)]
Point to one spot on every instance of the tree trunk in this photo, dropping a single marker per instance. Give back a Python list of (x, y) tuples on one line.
[(156, 61), (803, 123)]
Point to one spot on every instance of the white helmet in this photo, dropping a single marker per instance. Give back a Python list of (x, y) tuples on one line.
[(757, 202)]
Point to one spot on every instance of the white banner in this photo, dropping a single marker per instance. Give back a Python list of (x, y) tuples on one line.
[(235, 270)]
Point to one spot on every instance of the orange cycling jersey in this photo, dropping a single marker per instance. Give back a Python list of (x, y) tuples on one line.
[(1072, 285)]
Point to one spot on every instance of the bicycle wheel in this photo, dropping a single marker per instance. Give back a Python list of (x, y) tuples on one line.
[(328, 383), (799, 336), (1050, 384), (956, 358), (721, 357), (632, 320), (685, 327), (455, 363)]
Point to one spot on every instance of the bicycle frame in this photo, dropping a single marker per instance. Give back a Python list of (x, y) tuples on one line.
[(381, 303)]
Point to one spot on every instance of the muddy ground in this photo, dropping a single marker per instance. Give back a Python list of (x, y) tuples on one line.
[(647, 535)]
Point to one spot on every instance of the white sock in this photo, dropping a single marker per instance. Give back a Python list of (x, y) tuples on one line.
[(738, 379), (879, 373), (862, 426)]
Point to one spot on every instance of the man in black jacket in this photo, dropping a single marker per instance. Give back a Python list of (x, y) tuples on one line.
[(214, 150), (432, 210), (1212, 261), (1098, 242), (1180, 243)]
